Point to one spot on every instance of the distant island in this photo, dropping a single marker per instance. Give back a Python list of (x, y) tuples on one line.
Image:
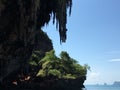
[(105, 83), (116, 83)]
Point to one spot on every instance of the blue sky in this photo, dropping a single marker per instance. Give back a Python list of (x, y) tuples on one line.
[(93, 38)]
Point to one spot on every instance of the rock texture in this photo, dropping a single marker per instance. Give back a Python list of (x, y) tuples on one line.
[(19, 22), (48, 84)]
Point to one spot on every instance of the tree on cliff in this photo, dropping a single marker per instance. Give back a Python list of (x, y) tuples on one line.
[(63, 67)]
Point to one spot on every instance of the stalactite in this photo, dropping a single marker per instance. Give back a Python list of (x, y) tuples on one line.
[(61, 17)]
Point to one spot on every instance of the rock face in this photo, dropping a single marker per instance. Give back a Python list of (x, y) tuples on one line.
[(42, 43), (17, 34), (61, 84), (16, 37), (48, 84)]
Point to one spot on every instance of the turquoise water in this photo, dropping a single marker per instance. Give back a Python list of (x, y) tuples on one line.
[(102, 87)]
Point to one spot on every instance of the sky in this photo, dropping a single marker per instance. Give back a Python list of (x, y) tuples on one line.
[(93, 38)]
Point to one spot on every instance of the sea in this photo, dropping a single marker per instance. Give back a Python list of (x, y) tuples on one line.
[(101, 87)]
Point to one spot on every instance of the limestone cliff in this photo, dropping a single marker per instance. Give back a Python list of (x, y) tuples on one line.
[(20, 21)]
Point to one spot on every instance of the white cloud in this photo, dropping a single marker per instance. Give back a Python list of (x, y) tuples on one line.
[(93, 78), (114, 60), (94, 75)]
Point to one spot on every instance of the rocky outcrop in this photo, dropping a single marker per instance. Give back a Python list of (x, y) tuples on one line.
[(64, 84), (43, 43), (16, 36), (19, 22), (47, 84)]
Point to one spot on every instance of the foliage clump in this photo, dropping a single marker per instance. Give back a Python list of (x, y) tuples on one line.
[(61, 67)]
